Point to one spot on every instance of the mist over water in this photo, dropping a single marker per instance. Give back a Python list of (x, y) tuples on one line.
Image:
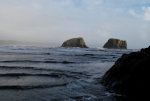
[(55, 74), (54, 21)]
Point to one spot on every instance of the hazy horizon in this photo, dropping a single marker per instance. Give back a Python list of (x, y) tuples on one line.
[(54, 21)]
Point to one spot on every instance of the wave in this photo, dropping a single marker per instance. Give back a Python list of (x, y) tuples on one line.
[(34, 61), (26, 74), (18, 87), (84, 55), (55, 75), (38, 68), (54, 72), (23, 53)]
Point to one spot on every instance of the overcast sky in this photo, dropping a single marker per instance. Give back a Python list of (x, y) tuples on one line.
[(54, 21)]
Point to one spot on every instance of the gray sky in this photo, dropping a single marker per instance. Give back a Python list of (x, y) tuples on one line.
[(54, 21)]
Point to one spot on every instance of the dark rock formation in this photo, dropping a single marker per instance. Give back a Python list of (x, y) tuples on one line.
[(75, 42), (130, 75), (115, 44)]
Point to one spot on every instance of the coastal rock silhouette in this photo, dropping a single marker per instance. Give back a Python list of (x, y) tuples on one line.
[(75, 42), (130, 74), (115, 44)]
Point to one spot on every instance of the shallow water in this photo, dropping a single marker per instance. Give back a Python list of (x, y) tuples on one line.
[(55, 74)]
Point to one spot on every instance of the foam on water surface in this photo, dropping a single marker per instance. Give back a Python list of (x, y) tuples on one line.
[(55, 74)]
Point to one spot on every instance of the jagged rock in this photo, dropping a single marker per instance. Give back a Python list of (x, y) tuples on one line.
[(75, 42), (130, 74), (115, 44)]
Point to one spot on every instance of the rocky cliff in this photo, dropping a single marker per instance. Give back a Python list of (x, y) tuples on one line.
[(115, 44), (75, 42), (130, 75)]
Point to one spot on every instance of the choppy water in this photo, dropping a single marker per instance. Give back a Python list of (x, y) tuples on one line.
[(55, 74)]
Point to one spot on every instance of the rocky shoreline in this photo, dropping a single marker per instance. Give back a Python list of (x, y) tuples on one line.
[(129, 76)]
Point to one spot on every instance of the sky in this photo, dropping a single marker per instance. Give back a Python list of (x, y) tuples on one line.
[(54, 21)]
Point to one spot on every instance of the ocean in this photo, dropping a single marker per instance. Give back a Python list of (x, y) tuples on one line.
[(55, 74)]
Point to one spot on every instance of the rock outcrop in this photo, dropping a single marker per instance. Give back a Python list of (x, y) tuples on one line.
[(75, 42), (115, 44), (130, 75)]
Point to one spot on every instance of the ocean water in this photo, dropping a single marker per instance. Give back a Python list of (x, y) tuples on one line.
[(55, 74)]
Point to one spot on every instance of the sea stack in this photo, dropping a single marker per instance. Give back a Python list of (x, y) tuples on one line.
[(130, 75), (115, 44), (75, 42)]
